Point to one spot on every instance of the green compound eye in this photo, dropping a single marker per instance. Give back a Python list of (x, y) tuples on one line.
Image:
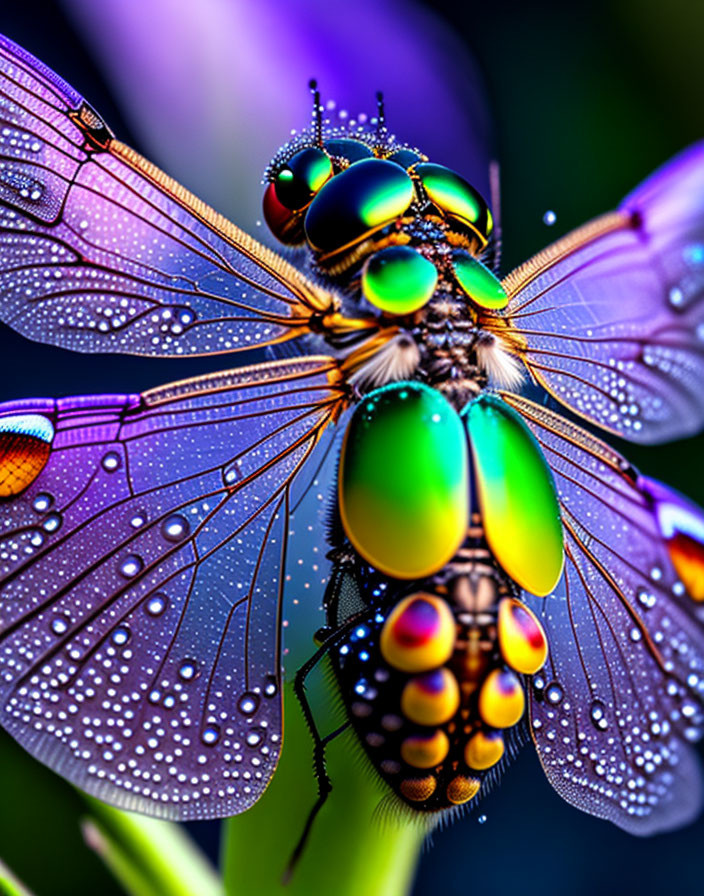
[(403, 485), (362, 198), (455, 197), (304, 174), (352, 150), (517, 498), (405, 158), (478, 282), (399, 280)]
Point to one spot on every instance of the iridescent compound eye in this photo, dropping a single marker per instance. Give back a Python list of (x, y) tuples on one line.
[(290, 193), (361, 199), (478, 282), (300, 179), (454, 197), (399, 280), (352, 150)]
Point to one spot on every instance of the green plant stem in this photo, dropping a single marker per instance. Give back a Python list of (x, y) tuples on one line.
[(149, 857), (353, 850), (9, 885)]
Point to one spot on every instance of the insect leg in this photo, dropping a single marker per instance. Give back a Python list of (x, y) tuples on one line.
[(319, 742)]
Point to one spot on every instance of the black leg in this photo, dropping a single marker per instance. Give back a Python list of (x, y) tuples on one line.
[(319, 742)]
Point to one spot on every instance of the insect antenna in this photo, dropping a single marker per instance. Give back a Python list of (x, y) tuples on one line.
[(317, 112), (380, 115)]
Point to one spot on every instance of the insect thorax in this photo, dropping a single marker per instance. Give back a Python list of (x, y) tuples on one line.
[(404, 241)]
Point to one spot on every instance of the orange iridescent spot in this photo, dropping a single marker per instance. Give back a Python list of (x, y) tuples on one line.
[(25, 445), (431, 699), (681, 524), (418, 789), (484, 749), (501, 699), (419, 634), (521, 637), (687, 555), (425, 751), (462, 789)]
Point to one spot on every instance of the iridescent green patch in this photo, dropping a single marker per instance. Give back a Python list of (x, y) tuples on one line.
[(301, 178), (403, 482), (354, 203), (517, 497), (478, 282), (399, 280), (454, 196)]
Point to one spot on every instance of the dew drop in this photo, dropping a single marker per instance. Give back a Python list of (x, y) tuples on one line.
[(248, 703), (111, 461), (482, 819), (676, 296), (42, 502), (597, 713), (635, 634), (254, 738), (121, 635), (53, 522), (137, 521), (36, 539), (157, 604), (211, 734), (59, 626), (646, 598), (155, 696), (553, 693), (271, 688), (187, 670), (549, 218), (131, 566), (175, 528)]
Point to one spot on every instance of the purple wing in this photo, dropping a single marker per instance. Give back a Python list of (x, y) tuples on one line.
[(620, 697), (610, 319), (140, 588), (102, 252)]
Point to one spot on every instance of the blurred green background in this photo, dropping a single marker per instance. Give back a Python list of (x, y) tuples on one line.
[(587, 100)]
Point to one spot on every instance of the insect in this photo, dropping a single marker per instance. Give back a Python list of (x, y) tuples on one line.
[(496, 567)]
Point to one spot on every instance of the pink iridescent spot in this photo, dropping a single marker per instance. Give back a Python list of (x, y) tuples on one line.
[(417, 625), (530, 631)]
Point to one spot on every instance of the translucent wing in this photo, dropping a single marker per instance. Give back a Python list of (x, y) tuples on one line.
[(102, 252), (140, 590), (610, 319), (621, 692)]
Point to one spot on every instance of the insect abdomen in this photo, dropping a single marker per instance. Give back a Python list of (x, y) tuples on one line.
[(432, 685)]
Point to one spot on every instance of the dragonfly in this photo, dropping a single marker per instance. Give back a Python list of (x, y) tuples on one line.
[(498, 571)]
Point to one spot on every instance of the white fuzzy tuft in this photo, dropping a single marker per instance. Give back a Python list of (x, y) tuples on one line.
[(396, 360), (504, 370)]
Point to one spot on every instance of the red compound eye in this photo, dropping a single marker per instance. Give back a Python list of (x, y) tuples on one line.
[(285, 224)]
